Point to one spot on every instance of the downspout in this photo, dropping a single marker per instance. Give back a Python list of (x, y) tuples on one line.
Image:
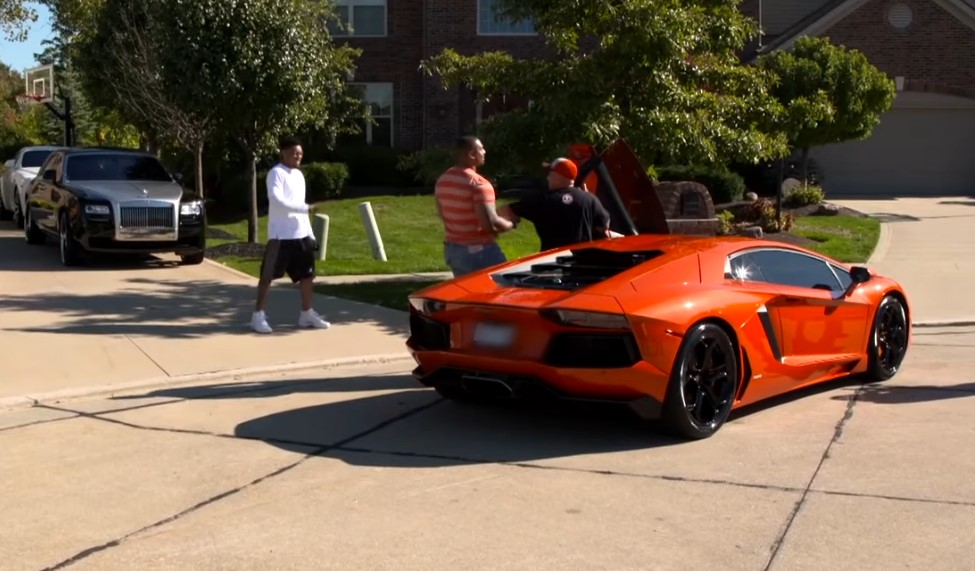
[(423, 83)]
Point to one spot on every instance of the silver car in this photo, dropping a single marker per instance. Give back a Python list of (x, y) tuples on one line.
[(110, 200)]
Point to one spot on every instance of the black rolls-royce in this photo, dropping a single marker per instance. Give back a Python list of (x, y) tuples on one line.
[(111, 200)]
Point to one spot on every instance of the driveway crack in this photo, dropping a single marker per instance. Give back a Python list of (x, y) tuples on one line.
[(147, 355), (315, 452), (837, 434)]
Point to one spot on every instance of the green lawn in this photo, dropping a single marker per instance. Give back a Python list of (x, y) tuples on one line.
[(848, 239), (411, 232), (413, 241)]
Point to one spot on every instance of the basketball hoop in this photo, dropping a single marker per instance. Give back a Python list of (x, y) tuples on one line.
[(26, 100)]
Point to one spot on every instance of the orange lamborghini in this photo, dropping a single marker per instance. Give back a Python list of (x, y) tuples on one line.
[(677, 328)]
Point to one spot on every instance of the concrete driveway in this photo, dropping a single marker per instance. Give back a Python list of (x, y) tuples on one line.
[(358, 468), (928, 244), (116, 323)]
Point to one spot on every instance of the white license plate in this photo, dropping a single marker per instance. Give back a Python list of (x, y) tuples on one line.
[(494, 335)]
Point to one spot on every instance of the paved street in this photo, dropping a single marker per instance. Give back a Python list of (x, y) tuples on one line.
[(346, 466)]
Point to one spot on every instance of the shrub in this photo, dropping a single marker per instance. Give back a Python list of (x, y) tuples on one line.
[(804, 196), (725, 223), (762, 213), (370, 165), (427, 165), (324, 181), (723, 185)]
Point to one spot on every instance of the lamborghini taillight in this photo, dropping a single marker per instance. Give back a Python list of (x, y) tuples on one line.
[(593, 319)]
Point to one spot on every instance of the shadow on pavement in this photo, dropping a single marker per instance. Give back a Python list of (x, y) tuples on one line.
[(411, 426), (22, 257), (881, 394), (183, 309)]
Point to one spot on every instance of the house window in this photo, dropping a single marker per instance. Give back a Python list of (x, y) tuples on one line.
[(483, 110), (359, 18), (379, 97), (489, 23)]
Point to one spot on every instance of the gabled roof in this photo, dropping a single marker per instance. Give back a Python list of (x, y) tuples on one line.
[(833, 11)]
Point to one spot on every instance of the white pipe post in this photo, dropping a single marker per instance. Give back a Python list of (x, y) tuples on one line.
[(321, 233), (372, 230)]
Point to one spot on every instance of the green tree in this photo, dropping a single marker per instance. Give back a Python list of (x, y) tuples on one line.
[(14, 14), (831, 94), (121, 63), (663, 74), (266, 67)]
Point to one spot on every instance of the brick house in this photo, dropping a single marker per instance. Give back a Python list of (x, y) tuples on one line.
[(922, 145)]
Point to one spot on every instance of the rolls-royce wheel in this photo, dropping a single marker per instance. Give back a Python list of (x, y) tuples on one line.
[(703, 383), (192, 259), (18, 213), (70, 249), (32, 233), (888, 340)]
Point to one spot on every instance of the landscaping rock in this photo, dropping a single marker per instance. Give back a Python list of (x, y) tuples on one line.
[(751, 197), (827, 210), (751, 232)]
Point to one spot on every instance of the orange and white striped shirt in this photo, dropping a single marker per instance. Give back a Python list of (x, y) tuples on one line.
[(458, 192)]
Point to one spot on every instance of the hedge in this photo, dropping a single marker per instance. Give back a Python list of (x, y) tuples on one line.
[(723, 185)]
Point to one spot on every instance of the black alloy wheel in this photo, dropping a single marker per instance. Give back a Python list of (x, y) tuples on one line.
[(32, 234), (888, 339), (70, 252), (703, 383)]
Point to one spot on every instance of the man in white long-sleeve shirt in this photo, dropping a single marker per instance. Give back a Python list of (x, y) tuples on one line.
[(291, 244)]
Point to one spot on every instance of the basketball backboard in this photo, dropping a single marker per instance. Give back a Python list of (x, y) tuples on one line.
[(39, 83)]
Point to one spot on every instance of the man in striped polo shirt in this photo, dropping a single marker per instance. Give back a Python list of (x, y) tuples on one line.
[(465, 202)]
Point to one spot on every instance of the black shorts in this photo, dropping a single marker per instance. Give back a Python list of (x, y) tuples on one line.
[(293, 257)]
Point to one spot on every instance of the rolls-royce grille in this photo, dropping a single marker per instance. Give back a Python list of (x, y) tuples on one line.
[(146, 217)]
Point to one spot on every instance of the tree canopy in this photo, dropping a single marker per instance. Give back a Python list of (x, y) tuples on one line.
[(664, 74), (831, 94)]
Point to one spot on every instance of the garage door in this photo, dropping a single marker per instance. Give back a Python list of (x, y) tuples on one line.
[(924, 145)]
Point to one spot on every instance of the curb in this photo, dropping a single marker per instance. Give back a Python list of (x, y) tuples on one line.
[(883, 244), (230, 270), (944, 323), (108, 390)]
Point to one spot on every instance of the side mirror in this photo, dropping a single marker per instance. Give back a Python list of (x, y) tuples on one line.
[(178, 177), (8, 164), (50, 175), (859, 274)]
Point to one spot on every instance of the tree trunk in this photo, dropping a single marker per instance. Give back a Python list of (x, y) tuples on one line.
[(198, 157), (805, 167), (252, 236)]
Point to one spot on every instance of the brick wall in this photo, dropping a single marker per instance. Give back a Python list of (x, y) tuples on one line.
[(424, 113), (935, 52)]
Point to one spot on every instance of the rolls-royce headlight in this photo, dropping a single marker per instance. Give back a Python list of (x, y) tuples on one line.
[(97, 209), (190, 208)]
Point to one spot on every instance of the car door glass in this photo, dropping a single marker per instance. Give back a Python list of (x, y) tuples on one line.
[(795, 269), (743, 268), (843, 275)]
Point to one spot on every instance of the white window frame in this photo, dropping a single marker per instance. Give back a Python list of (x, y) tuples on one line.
[(480, 32), (349, 32), (392, 109)]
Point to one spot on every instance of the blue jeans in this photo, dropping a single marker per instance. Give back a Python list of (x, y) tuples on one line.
[(466, 259)]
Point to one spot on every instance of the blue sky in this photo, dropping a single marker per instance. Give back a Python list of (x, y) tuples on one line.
[(20, 55)]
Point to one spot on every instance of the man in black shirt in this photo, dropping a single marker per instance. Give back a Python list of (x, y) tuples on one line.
[(564, 214)]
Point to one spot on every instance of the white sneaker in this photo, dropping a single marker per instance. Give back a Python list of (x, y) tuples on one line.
[(311, 319), (259, 323)]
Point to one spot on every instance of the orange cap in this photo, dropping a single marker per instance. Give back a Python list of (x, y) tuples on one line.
[(565, 167)]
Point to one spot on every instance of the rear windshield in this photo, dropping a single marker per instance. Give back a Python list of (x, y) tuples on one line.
[(107, 166), (34, 158)]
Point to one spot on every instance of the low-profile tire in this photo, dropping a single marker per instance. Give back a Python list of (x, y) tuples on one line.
[(192, 259), (32, 234), (18, 212), (888, 339), (703, 383), (71, 254)]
